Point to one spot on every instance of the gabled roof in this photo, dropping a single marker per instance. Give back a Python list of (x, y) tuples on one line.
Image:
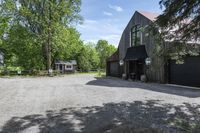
[(114, 56), (151, 16), (71, 62)]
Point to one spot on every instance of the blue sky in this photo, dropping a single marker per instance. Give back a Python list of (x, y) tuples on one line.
[(106, 19)]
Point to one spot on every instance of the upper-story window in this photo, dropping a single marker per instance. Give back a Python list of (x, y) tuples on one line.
[(136, 35)]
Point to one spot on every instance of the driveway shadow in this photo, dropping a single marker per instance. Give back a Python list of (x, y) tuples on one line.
[(174, 90), (135, 117)]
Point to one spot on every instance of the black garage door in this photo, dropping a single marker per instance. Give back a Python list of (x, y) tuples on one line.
[(185, 74), (113, 69)]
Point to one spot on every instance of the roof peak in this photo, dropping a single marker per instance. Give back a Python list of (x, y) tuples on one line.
[(150, 15)]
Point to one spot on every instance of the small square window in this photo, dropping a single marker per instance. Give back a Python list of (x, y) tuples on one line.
[(69, 66)]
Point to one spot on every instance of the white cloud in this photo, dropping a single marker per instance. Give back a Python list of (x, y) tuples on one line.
[(107, 13), (82, 26), (112, 38), (116, 8), (91, 41), (106, 29), (88, 21)]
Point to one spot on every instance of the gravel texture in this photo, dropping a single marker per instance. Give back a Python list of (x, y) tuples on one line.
[(84, 103)]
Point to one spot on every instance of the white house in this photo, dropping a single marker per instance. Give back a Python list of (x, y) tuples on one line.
[(66, 66)]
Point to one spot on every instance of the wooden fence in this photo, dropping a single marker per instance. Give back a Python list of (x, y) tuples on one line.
[(43, 72)]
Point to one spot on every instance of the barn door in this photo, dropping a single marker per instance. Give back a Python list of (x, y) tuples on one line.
[(114, 69), (185, 74)]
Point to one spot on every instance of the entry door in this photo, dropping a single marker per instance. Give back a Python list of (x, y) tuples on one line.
[(60, 67), (140, 66), (185, 74), (136, 67)]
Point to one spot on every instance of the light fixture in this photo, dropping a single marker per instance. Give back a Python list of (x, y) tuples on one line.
[(121, 62), (148, 61)]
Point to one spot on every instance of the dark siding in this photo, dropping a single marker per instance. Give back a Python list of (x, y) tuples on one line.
[(113, 69), (156, 72), (185, 74), (125, 38)]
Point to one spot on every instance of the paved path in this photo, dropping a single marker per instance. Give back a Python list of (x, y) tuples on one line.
[(83, 103)]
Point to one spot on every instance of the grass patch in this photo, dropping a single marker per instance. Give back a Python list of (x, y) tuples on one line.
[(43, 73), (95, 73)]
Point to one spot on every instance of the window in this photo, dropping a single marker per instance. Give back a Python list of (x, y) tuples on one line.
[(136, 35), (68, 67)]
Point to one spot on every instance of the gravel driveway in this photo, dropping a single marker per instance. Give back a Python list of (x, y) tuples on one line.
[(83, 103)]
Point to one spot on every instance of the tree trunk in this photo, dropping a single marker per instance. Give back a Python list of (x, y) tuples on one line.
[(48, 53)]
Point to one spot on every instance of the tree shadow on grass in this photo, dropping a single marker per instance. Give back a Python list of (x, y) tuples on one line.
[(136, 117), (174, 90)]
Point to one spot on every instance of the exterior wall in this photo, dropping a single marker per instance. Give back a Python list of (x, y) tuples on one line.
[(71, 68), (112, 65), (156, 71), (125, 39), (113, 69)]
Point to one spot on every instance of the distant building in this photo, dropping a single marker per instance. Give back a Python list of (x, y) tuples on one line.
[(1, 59), (66, 66)]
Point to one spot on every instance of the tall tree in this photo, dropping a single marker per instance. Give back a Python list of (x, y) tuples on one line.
[(183, 16), (88, 57), (42, 17), (104, 50), (22, 49), (67, 44)]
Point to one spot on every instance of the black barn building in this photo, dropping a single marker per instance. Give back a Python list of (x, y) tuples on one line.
[(137, 46)]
